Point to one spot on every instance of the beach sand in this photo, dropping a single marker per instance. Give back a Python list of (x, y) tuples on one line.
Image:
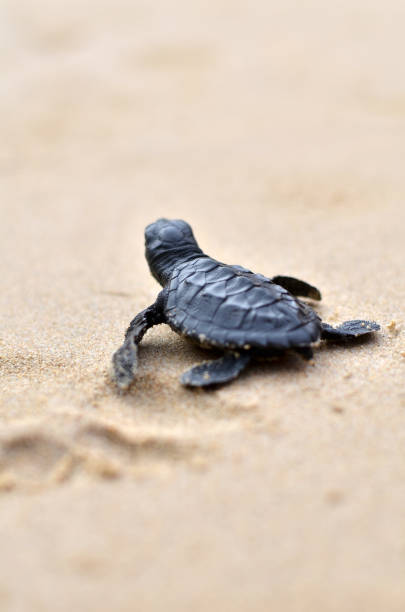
[(278, 131)]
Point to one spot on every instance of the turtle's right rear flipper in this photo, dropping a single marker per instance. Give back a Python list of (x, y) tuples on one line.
[(348, 330)]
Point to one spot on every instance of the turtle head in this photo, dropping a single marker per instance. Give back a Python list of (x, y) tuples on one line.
[(169, 243)]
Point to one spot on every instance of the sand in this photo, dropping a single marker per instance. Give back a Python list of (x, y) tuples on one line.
[(277, 129)]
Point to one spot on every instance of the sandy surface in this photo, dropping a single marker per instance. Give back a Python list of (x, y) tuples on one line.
[(277, 129)]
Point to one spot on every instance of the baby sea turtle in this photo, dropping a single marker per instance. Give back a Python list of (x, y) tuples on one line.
[(225, 307)]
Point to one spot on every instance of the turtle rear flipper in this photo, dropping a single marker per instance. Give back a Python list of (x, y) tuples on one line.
[(348, 330), (216, 372)]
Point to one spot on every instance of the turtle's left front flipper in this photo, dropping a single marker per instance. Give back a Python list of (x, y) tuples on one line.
[(125, 359), (216, 372), (348, 330)]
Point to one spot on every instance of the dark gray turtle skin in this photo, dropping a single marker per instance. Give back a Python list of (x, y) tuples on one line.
[(225, 307)]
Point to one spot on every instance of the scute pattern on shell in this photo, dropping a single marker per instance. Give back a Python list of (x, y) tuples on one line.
[(230, 307)]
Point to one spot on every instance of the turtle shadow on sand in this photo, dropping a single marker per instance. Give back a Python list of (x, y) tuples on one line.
[(286, 364), (246, 316), (337, 345), (159, 360)]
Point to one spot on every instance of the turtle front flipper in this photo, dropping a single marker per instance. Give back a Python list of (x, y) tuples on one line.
[(125, 359), (348, 330), (216, 372), (124, 364), (297, 287)]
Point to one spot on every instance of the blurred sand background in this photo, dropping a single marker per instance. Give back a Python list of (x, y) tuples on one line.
[(277, 129)]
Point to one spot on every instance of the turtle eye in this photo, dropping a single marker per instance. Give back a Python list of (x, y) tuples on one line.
[(155, 244), (170, 234)]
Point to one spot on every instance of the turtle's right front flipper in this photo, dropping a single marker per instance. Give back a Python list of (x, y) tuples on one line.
[(125, 359), (297, 287)]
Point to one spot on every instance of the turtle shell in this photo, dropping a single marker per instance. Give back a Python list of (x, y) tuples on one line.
[(230, 307)]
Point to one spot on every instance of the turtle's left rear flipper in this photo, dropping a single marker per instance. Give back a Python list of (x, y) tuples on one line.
[(348, 330), (216, 372)]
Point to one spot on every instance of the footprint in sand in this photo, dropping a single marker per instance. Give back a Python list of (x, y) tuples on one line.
[(31, 459), (110, 451)]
